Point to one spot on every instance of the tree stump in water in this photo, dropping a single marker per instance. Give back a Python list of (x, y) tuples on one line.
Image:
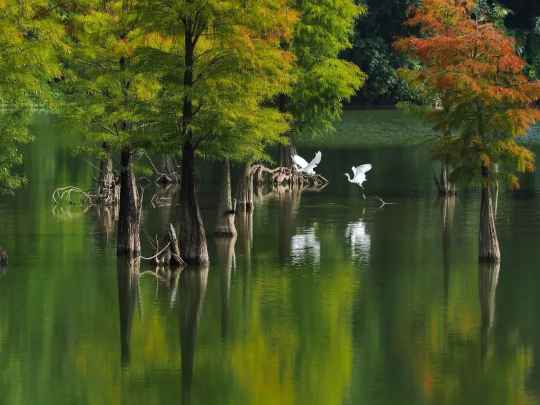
[(129, 216), (284, 176), (170, 254), (488, 246), (226, 211), (108, 189), (245, 188)]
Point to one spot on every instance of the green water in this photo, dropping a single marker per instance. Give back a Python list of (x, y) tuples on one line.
[(323, 298)]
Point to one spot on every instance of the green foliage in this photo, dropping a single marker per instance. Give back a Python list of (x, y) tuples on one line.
[(218, 63), (323, 81), (372, 52), (31, 39), (106, 93)]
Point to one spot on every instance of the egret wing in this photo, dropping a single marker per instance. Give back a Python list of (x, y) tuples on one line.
[(317, 159), (299, 161), (363, 168)]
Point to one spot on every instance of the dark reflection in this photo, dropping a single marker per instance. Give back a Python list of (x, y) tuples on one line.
[(488, 277), (3, 270), (244, 226), (448, 205), (226, 258), (289, 202), (193, 282), (128, 295)]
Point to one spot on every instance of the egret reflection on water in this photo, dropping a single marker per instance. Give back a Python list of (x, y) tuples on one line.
[(359, 239), (305, 246)]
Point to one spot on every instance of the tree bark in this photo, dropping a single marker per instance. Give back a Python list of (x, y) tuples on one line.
[(489, 250), (225, 216), (245, 188), (128, 242), (106, 187), (445, 186), (193, 244), (285, 154)]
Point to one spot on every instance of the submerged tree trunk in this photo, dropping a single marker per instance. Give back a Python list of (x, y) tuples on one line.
[(445, 186), (245, 188), (107, 190), (488, 242), (192, 235), (128, 242), (225, 215)]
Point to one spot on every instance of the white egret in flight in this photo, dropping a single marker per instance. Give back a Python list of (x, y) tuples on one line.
[(304, 167), (359, 175)]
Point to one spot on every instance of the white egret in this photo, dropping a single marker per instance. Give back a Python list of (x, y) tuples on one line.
[(359, 175), (303, 166)]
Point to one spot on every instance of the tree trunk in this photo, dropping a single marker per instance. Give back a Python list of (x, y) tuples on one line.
[(192, 235), (225, 216), (285, 154), (106, 187), (128, 242), (245, 189), (488, 242), (445, 186)]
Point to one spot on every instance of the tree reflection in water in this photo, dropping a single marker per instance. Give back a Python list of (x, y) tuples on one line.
[(128, 295), (193, 282)]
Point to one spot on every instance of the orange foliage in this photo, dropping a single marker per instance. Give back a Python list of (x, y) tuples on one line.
[(473, 68)]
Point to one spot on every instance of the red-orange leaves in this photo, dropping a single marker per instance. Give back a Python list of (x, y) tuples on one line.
[(472, 68)]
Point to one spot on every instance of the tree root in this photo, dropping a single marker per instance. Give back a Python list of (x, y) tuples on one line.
[(66, 196), (286, 176), (169, 255)]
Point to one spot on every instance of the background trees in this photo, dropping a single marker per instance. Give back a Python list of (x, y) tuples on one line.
[(32, 38), (322, 80)]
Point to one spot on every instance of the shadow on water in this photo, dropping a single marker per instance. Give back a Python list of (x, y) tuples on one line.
[(193, 283), (128, 296)]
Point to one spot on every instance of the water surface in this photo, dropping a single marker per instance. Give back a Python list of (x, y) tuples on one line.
[(324, 298)]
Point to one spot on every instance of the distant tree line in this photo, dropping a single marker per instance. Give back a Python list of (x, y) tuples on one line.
[(383, 23)]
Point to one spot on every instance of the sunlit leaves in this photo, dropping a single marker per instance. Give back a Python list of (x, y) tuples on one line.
[(322, 80), (238, 68)]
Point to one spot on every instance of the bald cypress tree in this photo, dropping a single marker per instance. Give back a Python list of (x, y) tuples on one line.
[(219, 64), (111, 98), (487, 101)]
